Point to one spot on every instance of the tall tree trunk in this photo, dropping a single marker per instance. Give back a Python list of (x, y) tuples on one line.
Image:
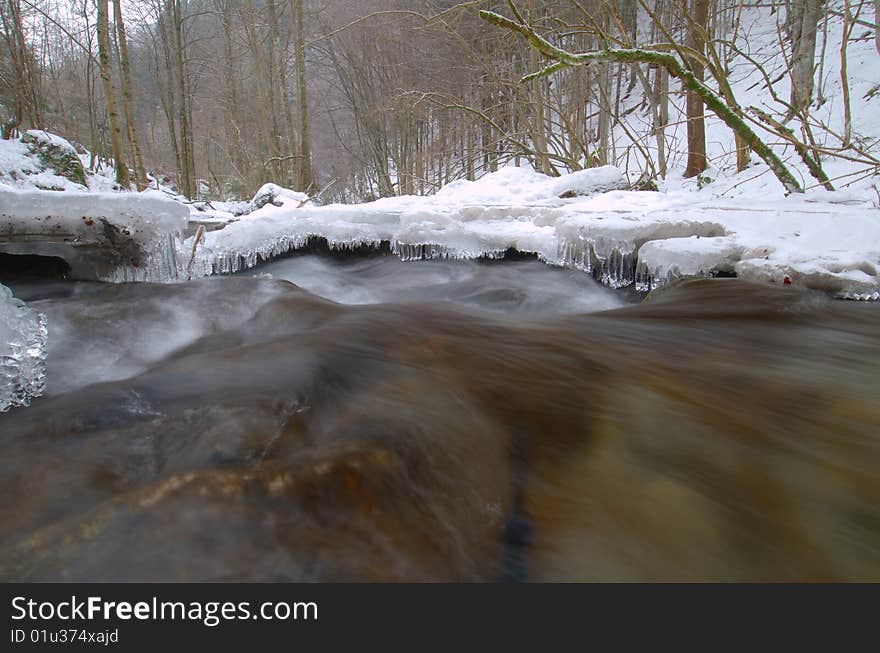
[(110, 94), (804, 24), (844, 74), (275, 78), (187, 159), (140, 173), (233, 142), (603, 95), (305, 179), (698, 25), (877, 25), (167, 92), (661, 97), (261, 128), (27, 95), (537, 118)]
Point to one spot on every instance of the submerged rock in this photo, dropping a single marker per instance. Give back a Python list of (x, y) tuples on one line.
[(723, 430)]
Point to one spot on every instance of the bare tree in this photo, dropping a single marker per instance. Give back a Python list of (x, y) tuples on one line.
[(140, 173), (25, 83), (561, 59), (698, 25), (305, 179), (103, 26), (803, 24)]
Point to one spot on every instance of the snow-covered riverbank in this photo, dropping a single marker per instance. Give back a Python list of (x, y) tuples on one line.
[(585, 220), (821, 240)]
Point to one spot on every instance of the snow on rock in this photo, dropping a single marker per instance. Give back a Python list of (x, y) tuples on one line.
[(590, 181), (105, 236), (56, 154), (30, 163), (825, 241), (47, 139), (23, 336), (277, 196)]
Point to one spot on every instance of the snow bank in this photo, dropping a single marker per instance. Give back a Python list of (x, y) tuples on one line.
[(23, 336), (523, 185), (818, 240)]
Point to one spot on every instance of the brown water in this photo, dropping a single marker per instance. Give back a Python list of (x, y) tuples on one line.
[(245, 429)]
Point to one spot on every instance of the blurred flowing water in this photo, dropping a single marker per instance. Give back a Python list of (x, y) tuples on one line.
[(369, 419)]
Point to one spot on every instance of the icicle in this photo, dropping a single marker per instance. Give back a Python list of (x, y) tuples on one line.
[(23, 336)]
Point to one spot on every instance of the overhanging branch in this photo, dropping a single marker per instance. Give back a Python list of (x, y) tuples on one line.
[(564, 59)]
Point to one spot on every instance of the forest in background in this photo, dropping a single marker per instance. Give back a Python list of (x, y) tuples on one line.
[(375, 98)]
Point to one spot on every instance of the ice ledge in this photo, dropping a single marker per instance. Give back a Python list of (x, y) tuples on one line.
[(620, 237), (101, 236)]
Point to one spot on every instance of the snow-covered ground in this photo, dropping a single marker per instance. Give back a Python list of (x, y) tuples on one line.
[(21, 169)]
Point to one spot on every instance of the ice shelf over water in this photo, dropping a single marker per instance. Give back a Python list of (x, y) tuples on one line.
[(106, 236), (585, 221), (23, 336)]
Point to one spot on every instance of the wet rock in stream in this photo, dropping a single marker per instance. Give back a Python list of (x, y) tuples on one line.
[(720, 431)]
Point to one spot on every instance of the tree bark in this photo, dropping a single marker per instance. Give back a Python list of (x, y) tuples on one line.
[(275, 79), (187, 158), (122, 177), (305, 179), (844, 75), (696, 125), (804, 23), (140, 173)]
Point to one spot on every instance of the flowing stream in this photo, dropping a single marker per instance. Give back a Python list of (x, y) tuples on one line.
[(370, 419)]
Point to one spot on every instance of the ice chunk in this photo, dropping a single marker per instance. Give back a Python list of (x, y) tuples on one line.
[(690, 257), (23, 336), (38, 212)]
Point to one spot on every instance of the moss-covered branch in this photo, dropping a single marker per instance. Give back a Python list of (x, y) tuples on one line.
[(563, 59), (803, 151)]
